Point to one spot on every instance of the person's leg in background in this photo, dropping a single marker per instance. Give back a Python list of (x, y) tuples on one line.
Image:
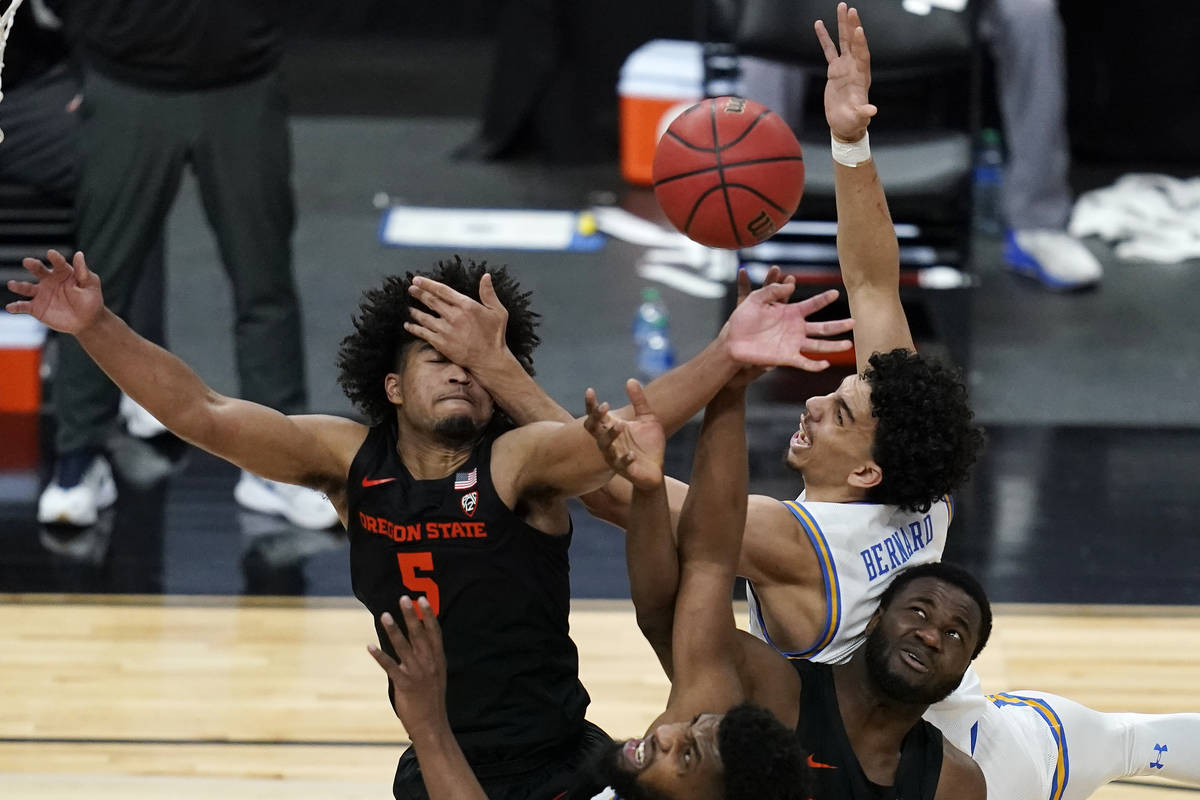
[(242, 158), (1028, 48), (131, 169)]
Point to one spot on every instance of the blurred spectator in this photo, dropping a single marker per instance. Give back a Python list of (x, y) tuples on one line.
[(167, 84), (1026, 41)]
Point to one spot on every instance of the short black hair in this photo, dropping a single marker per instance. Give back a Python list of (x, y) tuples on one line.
[(925, 436), (368, 354), (952, 574), (762, 758)]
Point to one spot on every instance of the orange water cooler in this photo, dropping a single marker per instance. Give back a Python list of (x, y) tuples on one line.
[(658, 81)]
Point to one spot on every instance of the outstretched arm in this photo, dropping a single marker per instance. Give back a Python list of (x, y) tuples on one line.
[(704, 639), (765, 330), (419, 698), (313, 450), (650, 556), (866, 239)]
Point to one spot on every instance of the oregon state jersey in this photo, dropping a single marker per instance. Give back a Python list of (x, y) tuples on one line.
[(835, 768), (860, 547), (500, 588)]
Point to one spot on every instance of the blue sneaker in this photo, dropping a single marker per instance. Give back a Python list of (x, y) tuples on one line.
[(1054, 258)]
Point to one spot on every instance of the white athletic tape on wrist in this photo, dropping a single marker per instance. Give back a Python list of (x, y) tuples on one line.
[(851, 154)]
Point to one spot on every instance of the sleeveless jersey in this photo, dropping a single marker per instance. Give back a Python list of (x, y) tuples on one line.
[(861, 547), (501, 590), (833, 765)]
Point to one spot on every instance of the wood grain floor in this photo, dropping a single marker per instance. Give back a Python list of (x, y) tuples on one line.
[(196, 697)]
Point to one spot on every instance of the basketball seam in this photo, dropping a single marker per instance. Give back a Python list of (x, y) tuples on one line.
[(716, 151), (733, 165)]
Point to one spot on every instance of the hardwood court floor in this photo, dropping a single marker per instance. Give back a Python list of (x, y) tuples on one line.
[(147, 697)]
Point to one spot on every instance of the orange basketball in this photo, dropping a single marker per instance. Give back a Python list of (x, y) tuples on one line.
[(728, 172)]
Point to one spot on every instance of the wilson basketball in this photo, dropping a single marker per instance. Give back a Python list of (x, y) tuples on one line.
[(728, 172)]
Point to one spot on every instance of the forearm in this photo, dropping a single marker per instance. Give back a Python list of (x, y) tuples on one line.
[(681, 393), (653, 566), (515, 391), (444, 768), (870, 262), (713, 518), (158, 380), (866, 239)]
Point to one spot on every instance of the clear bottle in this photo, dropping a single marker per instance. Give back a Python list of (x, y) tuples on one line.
[(651, 336), (988, 178)]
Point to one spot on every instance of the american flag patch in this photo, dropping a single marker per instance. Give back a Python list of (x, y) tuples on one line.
[(465, 480)]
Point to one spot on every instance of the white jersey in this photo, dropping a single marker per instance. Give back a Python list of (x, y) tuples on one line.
[(861, 547)]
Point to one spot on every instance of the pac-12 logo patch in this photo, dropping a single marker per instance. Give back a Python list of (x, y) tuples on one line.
[(469, 501)]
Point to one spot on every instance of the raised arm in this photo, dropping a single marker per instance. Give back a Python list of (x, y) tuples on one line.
[(313, 451), (704, 639), (418, 684), (866, 241), (765, 330), (650, 555)]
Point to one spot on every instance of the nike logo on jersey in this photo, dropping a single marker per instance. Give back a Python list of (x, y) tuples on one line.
[(814, 764), (369, 482)]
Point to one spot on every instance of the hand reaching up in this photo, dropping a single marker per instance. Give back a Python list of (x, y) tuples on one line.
[(419, 678), (632, 448), (65, 296), (849, 77), (766, 330)]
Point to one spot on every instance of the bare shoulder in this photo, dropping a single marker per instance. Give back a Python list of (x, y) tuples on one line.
[(774, 541), (961, 778)]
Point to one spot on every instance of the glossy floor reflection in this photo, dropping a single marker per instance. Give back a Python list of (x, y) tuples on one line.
[(1053, 515)]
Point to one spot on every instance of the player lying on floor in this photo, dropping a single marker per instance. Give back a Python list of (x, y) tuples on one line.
[(738, 711)]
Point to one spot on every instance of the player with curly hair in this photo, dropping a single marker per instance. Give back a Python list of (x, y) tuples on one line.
[(442, 496)]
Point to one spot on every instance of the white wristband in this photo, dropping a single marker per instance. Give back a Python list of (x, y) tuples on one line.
[(851, 154)]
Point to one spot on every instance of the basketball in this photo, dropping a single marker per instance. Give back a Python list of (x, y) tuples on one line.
[(728, 172)]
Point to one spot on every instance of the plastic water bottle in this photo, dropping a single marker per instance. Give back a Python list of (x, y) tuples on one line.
[(651, 336), (988, 217)]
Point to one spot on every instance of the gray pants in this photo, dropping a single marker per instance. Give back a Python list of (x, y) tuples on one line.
[(1027, 44), (136, 143), (41, 150)]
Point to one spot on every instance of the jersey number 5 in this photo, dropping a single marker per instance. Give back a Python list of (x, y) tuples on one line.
[(409, 564)]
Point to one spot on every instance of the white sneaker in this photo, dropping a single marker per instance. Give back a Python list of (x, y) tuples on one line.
[(1055, 258), (79, 504), (138, 421), (300, 506)]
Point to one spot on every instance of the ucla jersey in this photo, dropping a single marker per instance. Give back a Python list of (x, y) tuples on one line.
[(860, 547)]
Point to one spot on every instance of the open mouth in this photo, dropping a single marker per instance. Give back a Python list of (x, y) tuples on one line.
[(635, 752), (801, 438), (916, 661)]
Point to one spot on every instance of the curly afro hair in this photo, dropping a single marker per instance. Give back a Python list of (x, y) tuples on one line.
[(763, 760), (955, 576), (925, 439), (368, 354)]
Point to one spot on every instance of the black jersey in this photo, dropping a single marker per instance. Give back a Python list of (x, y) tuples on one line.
[(501, 590), (834, 766)]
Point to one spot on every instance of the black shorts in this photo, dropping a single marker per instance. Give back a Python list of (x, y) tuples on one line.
[(557, 777)]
